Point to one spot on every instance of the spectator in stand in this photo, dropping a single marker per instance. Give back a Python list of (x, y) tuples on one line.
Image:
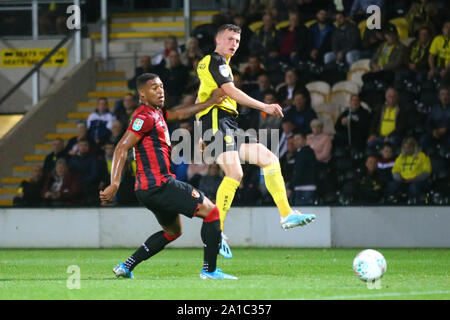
[(246, 34), (163, 58), (422, 13), (191, 52), (411, 171), (320, 142), (302, 187), (82, 133), (345, 42), (251, 73), (386, 162), (287, 131), (147, 67), (359, 125), (295, 40), (117, 131), (321, 32), (301, 113), (390, 57), (372, 39), (388, 123), (123, 109), (418, 53), (437, 126), (100, 121), (267, 121), (177, 79), (61, 188), (58, 151), (266, 38), (263, 87), (210, 183), (439, 58), (29, 193), (249, 192), (369, 186), (287, 161), (87, 166), (195, 172), (290, 86)]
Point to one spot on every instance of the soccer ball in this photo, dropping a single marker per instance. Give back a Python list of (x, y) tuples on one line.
[(369, 265)]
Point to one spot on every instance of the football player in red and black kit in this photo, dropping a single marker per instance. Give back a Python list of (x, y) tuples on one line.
[(156, 187)]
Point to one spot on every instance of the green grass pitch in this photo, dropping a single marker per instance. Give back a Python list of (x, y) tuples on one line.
[(272, 273)]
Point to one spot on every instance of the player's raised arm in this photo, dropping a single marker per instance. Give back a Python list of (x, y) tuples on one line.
[(128, 141), (217, 97), (242, 98)]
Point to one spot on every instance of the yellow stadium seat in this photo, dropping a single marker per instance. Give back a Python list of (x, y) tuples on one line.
[(402, 27), (282, 24), (255, 25), (310, 22)]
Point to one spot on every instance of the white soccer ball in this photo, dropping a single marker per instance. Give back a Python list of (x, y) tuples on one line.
[(369, 265)]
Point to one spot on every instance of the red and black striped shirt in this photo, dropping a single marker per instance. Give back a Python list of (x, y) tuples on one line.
[(152, 152)]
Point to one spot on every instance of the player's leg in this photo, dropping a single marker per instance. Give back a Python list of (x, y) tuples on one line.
[(258, 154)]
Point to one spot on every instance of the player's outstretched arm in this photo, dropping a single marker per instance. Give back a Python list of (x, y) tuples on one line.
[(128, 141), (217, 97), (242, 98)]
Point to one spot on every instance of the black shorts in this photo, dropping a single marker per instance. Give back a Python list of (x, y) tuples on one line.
[(220, 125), (172, 198)]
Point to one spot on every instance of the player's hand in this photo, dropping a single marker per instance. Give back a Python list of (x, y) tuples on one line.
[(274, 110), (108, 193), (217, 96)]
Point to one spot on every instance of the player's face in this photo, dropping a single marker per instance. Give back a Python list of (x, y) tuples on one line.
[(153, 92), (228, 42)]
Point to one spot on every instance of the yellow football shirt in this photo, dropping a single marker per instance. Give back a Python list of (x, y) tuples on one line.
[(213, 71), (388, 121), (411, 166), (440, 47)]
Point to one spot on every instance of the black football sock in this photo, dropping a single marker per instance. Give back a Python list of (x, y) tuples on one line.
[(151, 246), (211, 238)]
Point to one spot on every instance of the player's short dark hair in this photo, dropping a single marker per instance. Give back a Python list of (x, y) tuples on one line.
[(231, 27), (143, 78)]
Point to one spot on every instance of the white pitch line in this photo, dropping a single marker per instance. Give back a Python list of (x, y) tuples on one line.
[(393, 294)]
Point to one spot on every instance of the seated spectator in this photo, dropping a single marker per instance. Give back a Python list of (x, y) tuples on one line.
[(267, 121), (389, 58), (418, 53), (162, 58), (206, 33), (301, 113), (87, 166), (58, 151), (302, 186), (372, 39), (345, 42), (295, 41), (386, 162), (176, 82), (99, 122), (29, 193), (249, 193), (82, 133), (321, 32), (266, 38), (320, 142), (369, 186), (61, 187), (193, 82), (263, 87), (437, 126), (287, 131), (147, 67), (246, 34), (123, 109), (290, 86), (422, 13), (287, 161), (191, 52), (411, 171), (251, 73), (195, 172), (117, 131), (388, 123), (357, 126), (210, 183), (439, 58)]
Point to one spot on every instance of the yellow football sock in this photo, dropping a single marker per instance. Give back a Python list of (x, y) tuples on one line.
[(225, 196), (276, 187)]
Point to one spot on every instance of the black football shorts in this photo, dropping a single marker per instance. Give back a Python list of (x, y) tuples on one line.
[(172, 198)]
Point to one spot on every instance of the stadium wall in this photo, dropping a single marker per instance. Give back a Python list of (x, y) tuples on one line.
[(257, 227), (43, 117)]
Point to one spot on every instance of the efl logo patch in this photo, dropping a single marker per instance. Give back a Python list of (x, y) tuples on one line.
[(137, 124), (223, 69), (195, 194)]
